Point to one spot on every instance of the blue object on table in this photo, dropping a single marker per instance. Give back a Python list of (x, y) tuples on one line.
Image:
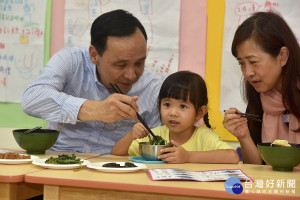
[(239, 151), (140, 159)]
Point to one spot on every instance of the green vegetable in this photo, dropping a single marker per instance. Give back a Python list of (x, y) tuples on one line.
[(158, 140), (64, 159)]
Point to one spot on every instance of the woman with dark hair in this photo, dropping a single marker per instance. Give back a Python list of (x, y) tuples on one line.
[(269, 56)]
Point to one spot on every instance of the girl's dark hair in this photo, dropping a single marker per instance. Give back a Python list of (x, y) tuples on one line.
[(114, 23), (185, 85), (270, 32)]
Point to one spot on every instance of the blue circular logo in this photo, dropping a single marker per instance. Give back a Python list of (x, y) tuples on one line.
[(233, 186)]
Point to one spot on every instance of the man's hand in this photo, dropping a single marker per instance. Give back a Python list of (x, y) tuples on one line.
[(113, 108)]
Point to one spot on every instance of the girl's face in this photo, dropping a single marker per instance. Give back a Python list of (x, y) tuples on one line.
[(259, 68), (179, 116)]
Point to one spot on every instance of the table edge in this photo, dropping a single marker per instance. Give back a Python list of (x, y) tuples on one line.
[(12, 179), (153, 189)]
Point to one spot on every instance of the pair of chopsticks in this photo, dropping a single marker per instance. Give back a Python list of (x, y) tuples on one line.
[(118, 90), (39, 127), (250, 116), (33, 129)]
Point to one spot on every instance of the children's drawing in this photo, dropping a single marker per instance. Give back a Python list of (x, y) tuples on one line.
[(22, 25)]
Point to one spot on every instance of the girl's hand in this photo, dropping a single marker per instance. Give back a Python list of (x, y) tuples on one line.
[(175, 154), (235, 124), (138, 131)]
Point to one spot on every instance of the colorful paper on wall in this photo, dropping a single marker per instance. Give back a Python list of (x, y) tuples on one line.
[(22, 32)]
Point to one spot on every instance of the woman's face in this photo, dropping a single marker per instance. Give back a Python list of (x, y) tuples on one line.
[(259, 68)]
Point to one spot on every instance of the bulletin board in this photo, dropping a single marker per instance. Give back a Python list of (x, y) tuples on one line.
[(201, 47), (200, 51), (22, 28), (11, 114), (192, 51)]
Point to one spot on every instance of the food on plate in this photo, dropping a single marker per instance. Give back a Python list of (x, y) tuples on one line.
[(117, 165), (158, 140), (11, 155), (283, 143), (64, 159)]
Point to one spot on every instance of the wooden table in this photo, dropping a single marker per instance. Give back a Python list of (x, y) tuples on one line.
[(12, 178), (12, 185), (91, 184)]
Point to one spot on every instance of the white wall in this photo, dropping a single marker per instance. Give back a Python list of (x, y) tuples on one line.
[(7, 140)]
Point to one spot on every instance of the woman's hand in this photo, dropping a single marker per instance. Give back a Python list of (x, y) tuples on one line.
[(175, 154), (235, 124)]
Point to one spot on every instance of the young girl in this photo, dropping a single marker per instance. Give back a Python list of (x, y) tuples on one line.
[(182, 101)]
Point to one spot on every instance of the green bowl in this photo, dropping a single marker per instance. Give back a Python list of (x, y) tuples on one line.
[(36, 142), (279, 157)]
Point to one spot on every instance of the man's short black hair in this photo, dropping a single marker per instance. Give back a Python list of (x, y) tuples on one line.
[(114, 23)]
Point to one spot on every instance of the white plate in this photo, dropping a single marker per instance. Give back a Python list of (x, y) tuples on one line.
[(18, 161), (98, 166), (41, 162)]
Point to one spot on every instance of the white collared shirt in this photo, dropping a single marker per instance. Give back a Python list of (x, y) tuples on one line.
[(65, 83)]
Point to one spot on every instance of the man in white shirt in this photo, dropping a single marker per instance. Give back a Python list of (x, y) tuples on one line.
[(73, 88)]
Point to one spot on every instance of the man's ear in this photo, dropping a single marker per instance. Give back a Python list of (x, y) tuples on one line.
[(283, 55), (201, 112), (93, 54)]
